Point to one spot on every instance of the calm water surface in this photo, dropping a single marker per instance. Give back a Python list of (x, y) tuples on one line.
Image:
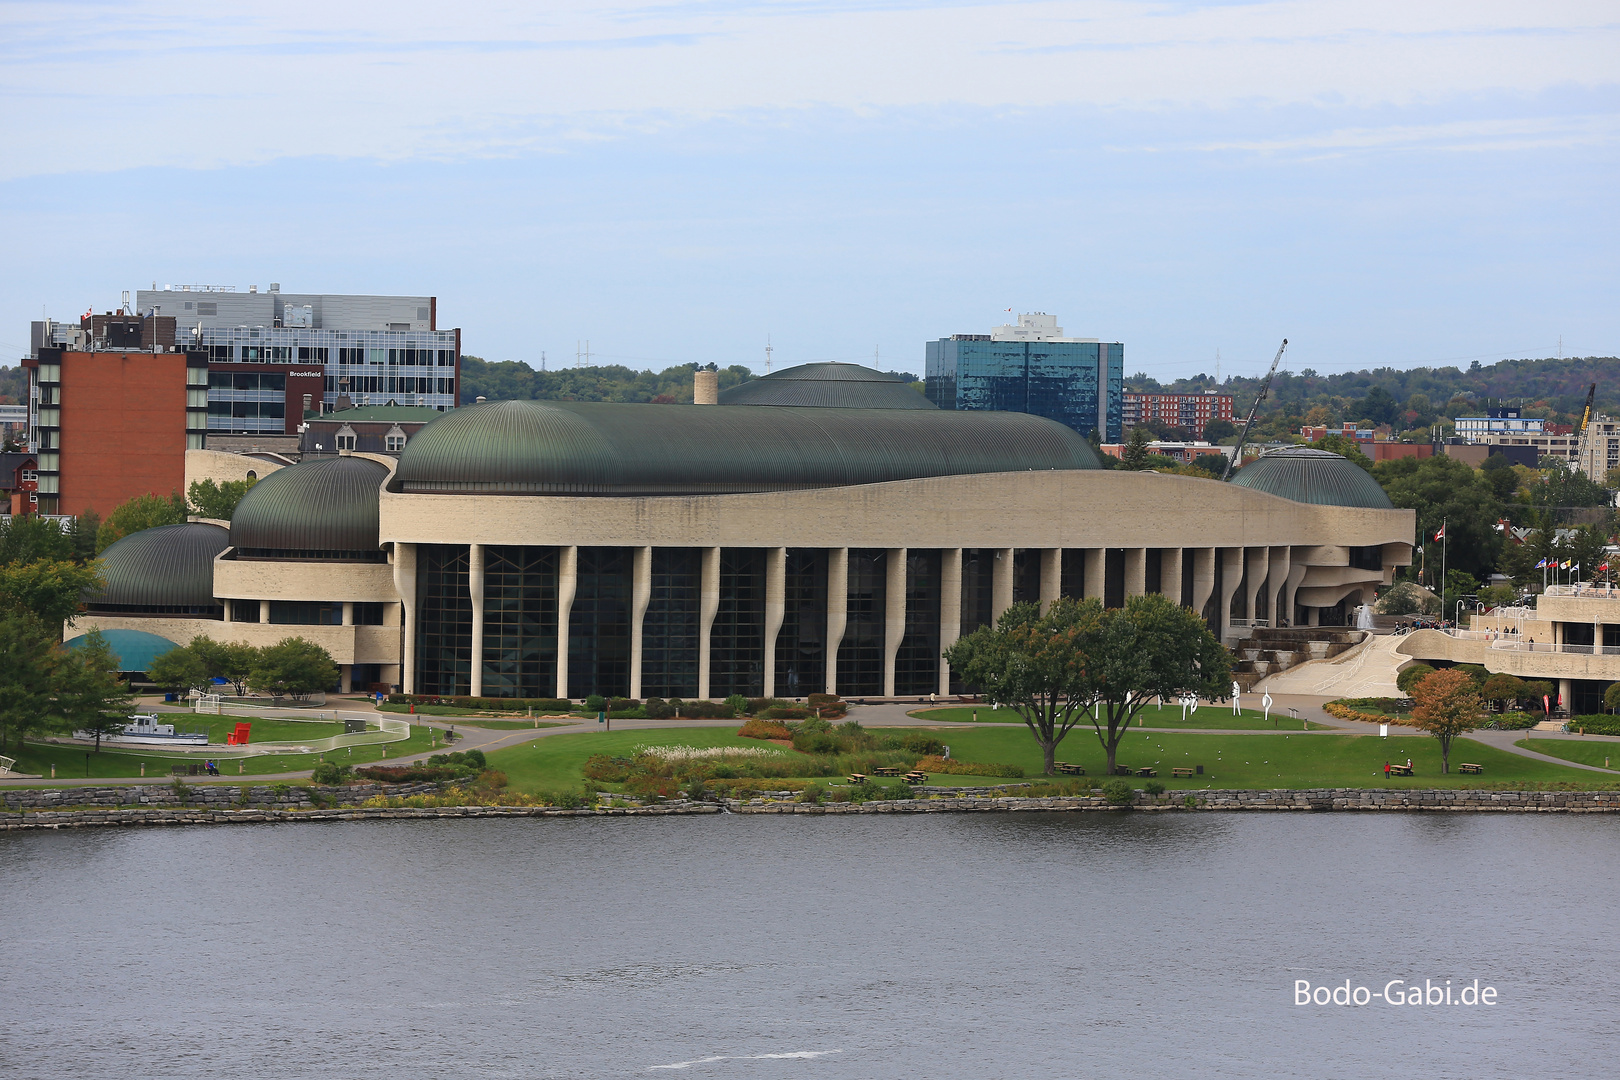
[(948, 946)]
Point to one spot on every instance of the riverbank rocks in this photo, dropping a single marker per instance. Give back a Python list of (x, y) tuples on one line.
[(39, 810)]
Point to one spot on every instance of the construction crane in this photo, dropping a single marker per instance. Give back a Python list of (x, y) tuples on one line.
[(1265, 387), (1586, 414)]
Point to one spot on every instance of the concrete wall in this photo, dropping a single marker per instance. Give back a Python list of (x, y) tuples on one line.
[(221, 467), (245, 579)]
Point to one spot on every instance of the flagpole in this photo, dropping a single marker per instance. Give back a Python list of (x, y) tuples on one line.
[(1444, 539)]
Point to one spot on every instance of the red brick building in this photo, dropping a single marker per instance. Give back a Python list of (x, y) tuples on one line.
[(1189, 411), (115, 413)]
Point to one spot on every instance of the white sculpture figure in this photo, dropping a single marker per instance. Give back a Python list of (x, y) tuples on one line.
[(1236, 690), (1265, 703)]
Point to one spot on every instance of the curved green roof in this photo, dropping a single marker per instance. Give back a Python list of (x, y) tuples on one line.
[(1307, 475), (828, 386), (135, 649), (169, 566), (319, 505), (572, 447)]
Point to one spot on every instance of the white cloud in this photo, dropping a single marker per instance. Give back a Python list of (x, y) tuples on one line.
[(110, 86)]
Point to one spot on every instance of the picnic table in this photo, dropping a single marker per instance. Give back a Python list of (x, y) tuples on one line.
[(1181, 774), (1122, 770), (1070, 770), (915, 778), (856, 778), (1470, 767), (1400, 770), (886, 770), (1147, 771)]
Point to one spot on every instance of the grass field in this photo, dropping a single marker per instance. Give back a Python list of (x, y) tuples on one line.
[(1605, 755), (511, 725), (1230, 761), (73, 763), (1208, 717)]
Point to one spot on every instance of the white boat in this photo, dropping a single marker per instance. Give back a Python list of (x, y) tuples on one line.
[(146, 731)]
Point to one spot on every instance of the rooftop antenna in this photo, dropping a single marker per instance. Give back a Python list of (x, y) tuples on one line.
[(542, 359), (767, 354), (1560, 342)]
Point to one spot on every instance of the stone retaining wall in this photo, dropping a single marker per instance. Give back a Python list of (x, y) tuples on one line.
[(204, 796), (1326, 799)]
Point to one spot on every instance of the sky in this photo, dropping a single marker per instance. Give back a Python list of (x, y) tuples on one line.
[(1384, 184)]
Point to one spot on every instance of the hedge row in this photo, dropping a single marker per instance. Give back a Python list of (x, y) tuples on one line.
[(1596, 724)]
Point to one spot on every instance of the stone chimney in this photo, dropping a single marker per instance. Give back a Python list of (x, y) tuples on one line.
[(705, 387)]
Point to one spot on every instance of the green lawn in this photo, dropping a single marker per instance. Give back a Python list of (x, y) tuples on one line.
[(264, 729), (1230, 761), (1603, 754), (1209, 717), (72, 762), (554, 763)]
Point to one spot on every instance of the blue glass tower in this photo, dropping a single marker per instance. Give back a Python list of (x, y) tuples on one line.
[(1031, 368)]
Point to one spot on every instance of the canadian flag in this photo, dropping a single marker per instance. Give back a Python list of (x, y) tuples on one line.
[(1441, 535)]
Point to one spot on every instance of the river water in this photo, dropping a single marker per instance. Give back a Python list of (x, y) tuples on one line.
[(941, 946)]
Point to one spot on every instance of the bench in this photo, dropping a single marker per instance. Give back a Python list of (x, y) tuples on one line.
[(1470, 767), (1146, 771), (1181, 774), (886, 770), (5, 765), (1070, 770)]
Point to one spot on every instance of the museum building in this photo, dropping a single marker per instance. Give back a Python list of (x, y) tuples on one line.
[(559, 549)]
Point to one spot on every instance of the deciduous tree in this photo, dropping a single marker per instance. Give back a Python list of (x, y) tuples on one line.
[(49, 589), (232, 661), (142, 512), (217, 500), (1447, 706), (29, 658), (178, 671), (1149, 648), (294, 667), (90, 697), (1034, 665)]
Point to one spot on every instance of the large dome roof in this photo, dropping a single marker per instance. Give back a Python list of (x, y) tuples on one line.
[(1307, 475), (171, 566), (320, 508), (572, 447), (828, 385), (134, 649)]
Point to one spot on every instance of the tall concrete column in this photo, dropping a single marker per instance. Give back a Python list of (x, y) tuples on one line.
[(1001, 584), (1314, 618), (226, 610), (837, 610), (894, 613), (1135, 572), (1565, 688), (1051, 577), (405, 586), (264, 611), (775, 609), (345, 678), (1096, 574), (567, 584), (1231, 578), (1256, 558), (1203, 577), (950, 609), (1277, 585), (1170, 575), (640, 596), (1296, 574), (348, 613), (475, 591), (708, 607)]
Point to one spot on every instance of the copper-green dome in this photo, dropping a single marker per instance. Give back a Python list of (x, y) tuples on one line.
[(573, 447), (166, 570), (828, 385), (324, 508), (1308, 475)]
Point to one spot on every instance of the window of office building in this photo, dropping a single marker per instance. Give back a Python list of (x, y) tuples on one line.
[(599, 624), (860, 656), (520, 621), (306, 612), (978, 571), (737, 639), (669, 629), (801, 644)]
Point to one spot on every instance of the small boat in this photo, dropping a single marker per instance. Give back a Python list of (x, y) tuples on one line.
[(146, 731)]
